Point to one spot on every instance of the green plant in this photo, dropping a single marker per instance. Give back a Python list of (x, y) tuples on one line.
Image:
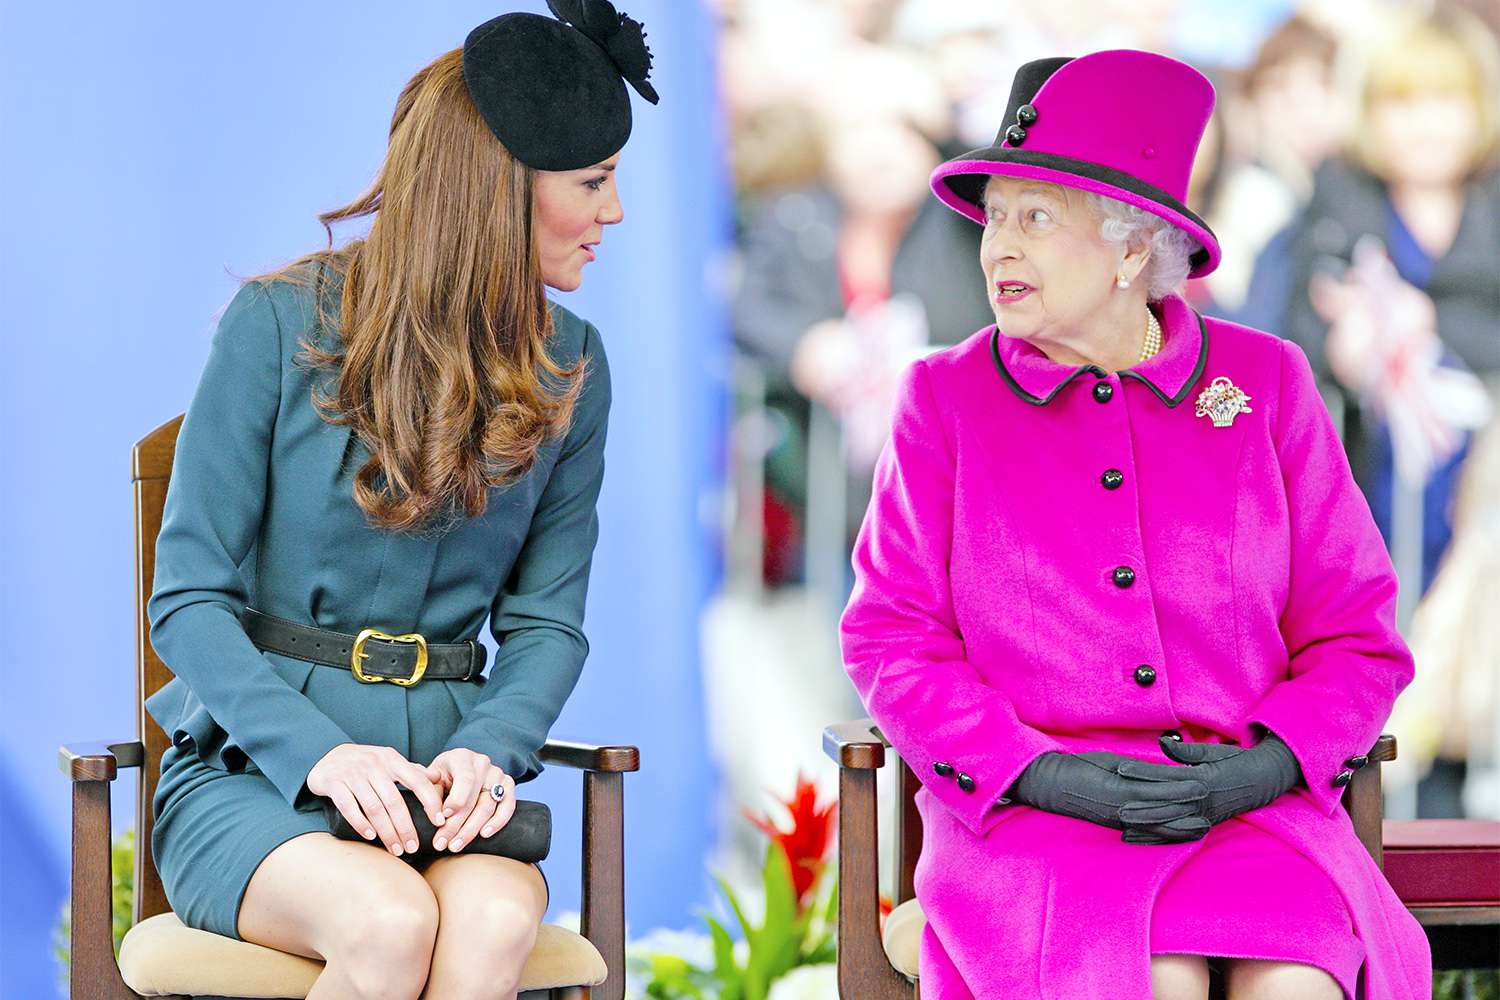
[(122, 901), (796, 929), (1466, 984)]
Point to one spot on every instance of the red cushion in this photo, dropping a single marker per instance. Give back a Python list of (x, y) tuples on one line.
[(1443, 862)]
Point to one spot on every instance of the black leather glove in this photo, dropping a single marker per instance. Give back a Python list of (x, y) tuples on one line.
[(1238, 778), (1151, 803)]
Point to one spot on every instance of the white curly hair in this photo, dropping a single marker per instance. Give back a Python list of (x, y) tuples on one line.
[(1167, 268)]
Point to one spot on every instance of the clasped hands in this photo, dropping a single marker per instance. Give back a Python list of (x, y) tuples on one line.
[(1160, 803), (454, 790)]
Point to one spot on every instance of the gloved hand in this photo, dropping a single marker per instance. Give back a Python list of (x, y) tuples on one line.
[(1238, 778), (1151, 803)]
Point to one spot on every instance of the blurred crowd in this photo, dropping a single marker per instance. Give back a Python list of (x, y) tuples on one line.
[(1349, 172)]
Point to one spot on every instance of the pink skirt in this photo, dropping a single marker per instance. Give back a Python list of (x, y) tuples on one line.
[(1293, 913)]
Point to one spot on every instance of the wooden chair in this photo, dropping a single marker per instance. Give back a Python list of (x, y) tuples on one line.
[(876, 966), (163, 958)]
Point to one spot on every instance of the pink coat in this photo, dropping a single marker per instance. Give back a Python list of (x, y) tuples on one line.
[(991, 622)]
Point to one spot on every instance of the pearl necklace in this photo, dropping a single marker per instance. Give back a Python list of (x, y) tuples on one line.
[(1152, 343)]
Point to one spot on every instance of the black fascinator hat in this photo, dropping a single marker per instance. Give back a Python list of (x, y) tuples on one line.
[(553, 90)]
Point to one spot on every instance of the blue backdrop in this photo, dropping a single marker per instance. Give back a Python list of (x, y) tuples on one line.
[(152, 151)]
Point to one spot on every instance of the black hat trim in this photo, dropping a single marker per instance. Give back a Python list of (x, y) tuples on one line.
[(970, 186)]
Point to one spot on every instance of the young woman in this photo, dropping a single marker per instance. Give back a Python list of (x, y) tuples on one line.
[(400, 435)]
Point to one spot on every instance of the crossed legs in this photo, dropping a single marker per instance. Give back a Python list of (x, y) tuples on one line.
[(462, 927)]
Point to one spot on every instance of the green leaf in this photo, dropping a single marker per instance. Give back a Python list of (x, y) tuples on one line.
[(725, 966), (776, 948), (739, 912), (825, 951)]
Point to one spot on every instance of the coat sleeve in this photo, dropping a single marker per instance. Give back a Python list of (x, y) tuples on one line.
[(215, 500), (899, 636), (1347, 662), (537, 616)]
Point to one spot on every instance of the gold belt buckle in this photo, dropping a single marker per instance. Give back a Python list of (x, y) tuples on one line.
[(358, 653)]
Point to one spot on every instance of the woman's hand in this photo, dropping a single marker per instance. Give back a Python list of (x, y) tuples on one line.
[(1151, 803), (361, 780), (469, 809), (1238, 778)]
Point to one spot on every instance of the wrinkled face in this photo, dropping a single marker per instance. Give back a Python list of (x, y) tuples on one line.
[(1044, 238), (572, 209)]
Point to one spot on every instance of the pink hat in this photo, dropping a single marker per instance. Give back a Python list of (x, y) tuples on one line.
[(1122, 123)]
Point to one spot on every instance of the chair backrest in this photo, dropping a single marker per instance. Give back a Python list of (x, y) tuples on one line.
[(150, 469)]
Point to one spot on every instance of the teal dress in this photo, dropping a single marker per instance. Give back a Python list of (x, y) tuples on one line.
[(260, 511)]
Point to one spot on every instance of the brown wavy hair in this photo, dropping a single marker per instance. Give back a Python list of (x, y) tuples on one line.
[(443, 368)]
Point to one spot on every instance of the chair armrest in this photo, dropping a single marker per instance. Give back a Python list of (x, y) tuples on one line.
[(93, 971), (856, 744), (863, 969), (603, 917), (586, 757), (1363, 801), (99, 761)]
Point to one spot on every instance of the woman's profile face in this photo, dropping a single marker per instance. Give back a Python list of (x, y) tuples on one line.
[(572, 209), (1045, 237)]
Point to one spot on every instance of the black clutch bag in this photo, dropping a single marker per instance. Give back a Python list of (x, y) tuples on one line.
[(527, 837)]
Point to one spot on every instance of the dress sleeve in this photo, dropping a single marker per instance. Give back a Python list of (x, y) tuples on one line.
[(215, 500), (900, 639), (1347, 660), (537, 616)]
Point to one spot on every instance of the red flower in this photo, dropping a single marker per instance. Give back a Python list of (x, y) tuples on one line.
[(806, 844)]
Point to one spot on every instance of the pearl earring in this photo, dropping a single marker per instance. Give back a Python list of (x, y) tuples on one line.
[(1121, 281)]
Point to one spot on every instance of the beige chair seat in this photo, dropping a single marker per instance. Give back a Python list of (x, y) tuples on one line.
[(902, 937), (161, 956)]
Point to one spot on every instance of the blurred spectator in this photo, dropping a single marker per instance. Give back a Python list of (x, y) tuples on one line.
[(1396, 273), (1448, 719), (1206, 188), (843, 282), (1289, 113)]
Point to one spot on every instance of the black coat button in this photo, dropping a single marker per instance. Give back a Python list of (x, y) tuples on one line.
[(1103, 391), (1173, 734), (942, 768), (965, 782), (1145, 675), (1342, 778), (1112, 479), (1026, 114), (1357, 762), (1124, 576), (1015, 135), (182, 739)]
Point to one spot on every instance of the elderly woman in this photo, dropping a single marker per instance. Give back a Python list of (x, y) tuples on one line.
[(1119, 603)]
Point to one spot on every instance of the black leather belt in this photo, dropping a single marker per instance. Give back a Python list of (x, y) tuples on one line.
[(372, 655)]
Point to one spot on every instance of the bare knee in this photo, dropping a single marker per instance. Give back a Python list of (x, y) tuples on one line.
[(384, 944), (368, 915), (1179, 977), (509, 925), (507, 928), (1261, 979)]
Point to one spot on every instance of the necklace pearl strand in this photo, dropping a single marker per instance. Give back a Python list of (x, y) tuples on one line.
[(1152, 342)]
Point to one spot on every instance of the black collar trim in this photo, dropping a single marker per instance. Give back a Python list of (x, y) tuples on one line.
[(1098, 373)]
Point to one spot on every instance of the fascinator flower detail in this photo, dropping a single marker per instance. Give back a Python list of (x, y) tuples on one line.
[(621, 37)]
